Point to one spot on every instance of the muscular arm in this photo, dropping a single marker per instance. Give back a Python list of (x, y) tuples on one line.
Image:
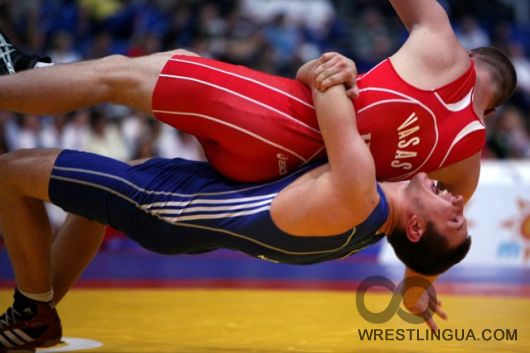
[(343, 194), (351, 164), (432, 47)]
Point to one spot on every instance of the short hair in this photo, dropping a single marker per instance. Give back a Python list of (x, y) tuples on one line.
[(502, 72), (429, 256)]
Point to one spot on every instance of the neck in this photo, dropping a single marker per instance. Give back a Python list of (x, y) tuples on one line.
[(482, 95), (394, 196)]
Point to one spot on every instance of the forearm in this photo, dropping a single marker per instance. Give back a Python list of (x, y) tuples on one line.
[(337, 123), (344, 146)]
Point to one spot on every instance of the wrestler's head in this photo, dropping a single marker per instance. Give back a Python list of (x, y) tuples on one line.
[(501, 72), (431, 235)]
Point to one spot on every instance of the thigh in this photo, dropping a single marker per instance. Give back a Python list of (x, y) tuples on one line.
[(133, 81), (242, 117), (129, 198)]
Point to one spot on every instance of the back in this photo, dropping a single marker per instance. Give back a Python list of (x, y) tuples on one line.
[(410, 130)]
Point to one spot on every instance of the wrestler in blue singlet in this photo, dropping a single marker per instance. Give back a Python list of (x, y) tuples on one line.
[(173, 206)]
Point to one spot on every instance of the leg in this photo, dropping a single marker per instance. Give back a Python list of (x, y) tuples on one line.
[(25, 175), (74, 247), (62, 88), (27, 234), (76, 244)]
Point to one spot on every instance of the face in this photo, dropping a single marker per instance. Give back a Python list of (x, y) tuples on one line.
[(441, 207)]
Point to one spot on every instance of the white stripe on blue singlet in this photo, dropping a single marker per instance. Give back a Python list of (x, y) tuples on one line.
[(184, 203), (215, 215), (184, 209)]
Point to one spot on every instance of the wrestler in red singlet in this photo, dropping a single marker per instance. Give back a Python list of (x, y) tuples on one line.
[(255, 126)]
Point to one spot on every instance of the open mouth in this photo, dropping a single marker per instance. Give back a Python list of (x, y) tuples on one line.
[(437, 190)]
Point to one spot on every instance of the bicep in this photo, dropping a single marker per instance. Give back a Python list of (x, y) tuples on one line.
[(315, 207)]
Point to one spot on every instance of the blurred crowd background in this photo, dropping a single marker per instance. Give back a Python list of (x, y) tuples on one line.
[(276, 36)]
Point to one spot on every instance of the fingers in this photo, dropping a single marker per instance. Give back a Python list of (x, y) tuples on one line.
[(436, 308), (353, 92), (334, 69), (440, 313), (327, 56), (333, 78), (430, 322)]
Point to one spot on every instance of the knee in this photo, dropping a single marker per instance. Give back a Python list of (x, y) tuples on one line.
[(9, 163), (113, 66), (113, 74), (115, 61), (179, 52), (25, 168)]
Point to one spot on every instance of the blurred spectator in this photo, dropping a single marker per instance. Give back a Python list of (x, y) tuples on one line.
[(62, 50), (522, 67), (101, 46), (146, 44), (471, 34), (283, 36), (104, 138), (75, 133), (172, 143), (372, 38), (508, 135), (311, 14), (100, 10), (35, 132)]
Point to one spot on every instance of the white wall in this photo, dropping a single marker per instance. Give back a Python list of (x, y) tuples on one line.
[(498, 217)]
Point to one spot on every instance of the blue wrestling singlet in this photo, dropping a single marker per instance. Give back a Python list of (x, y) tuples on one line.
[(173, 206)]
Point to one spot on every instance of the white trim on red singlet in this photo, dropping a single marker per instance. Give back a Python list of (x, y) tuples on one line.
[(410, 100), (457, 106), (235, 127), (370, 71), (467, 130), (266, 106), (315, 154), (272, 88)]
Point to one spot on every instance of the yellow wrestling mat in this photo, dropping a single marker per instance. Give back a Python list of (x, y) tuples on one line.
[(245, 321)]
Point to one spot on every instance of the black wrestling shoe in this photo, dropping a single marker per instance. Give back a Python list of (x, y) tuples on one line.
[(14, 60), (29, 324)]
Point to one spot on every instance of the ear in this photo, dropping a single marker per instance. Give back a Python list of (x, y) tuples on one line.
[(416, 227)]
